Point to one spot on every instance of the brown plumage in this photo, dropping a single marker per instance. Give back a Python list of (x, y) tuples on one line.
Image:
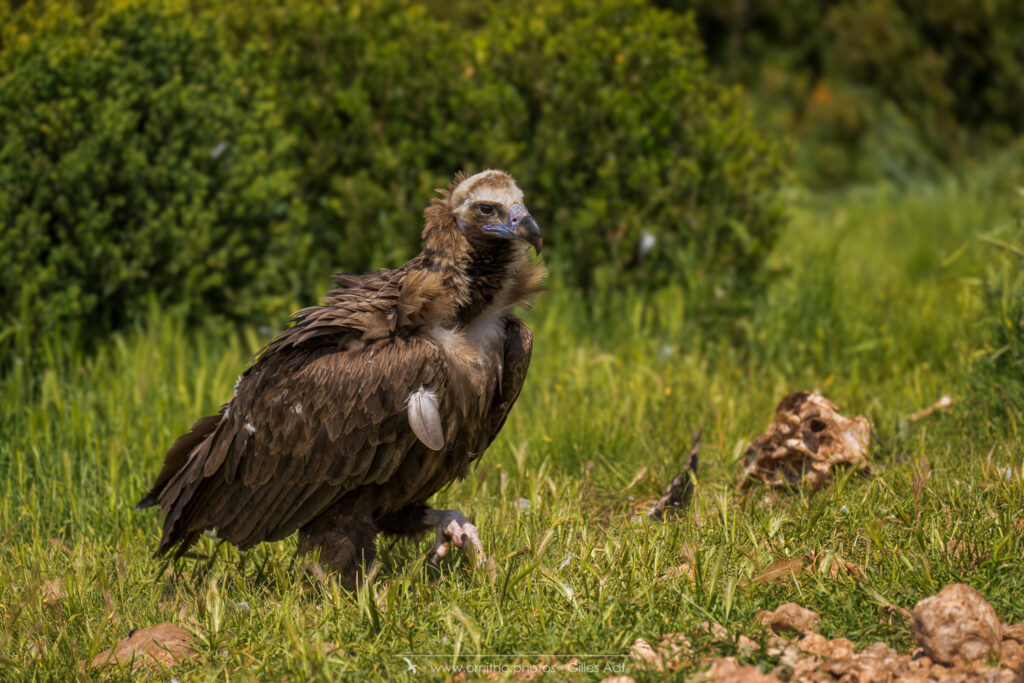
[(348, 421)]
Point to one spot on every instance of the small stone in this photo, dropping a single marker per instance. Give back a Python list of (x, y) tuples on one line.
[(642, 650), (1014, 632), (164, 644), (814, 643), (728, 670), (958, 624), (792, 617), (747, 646)]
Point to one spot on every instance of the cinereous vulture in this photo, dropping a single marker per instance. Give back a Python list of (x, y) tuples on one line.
[(348, 421)]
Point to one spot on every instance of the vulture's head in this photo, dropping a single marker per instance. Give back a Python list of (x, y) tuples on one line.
[(489, 206)]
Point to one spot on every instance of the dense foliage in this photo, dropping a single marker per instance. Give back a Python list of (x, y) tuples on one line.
[(605, 115), (875, 88), (343, 118), (138, 158)]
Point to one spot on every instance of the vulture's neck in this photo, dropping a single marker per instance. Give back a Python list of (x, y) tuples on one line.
[(472, 273)]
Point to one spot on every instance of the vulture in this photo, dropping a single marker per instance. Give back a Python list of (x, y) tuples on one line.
[(349, 420)]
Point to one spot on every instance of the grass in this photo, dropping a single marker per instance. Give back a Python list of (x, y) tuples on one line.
[(876, 300)]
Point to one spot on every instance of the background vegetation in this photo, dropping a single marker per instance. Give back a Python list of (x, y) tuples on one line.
[(150, 148), (174, 180), (879, 313), (874, 89)]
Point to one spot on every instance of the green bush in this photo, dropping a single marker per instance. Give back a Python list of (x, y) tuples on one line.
[(645, 170), (343, 118), (138, 157), (875, 88), (603, 111), (383, 111)]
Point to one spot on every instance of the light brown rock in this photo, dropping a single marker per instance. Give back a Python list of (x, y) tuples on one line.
[(728, 670), (792, 617), (164, 644), (840, 648), (1014, 632), (747, 646), (958, 624), (642, 651), (805, 440), (814, 643)]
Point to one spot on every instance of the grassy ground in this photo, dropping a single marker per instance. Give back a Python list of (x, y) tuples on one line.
[(876, 301)]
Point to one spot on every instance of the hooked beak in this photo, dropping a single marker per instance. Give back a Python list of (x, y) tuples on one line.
[(520, 226)]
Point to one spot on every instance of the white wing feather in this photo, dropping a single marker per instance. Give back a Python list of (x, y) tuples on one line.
[(425, 419)]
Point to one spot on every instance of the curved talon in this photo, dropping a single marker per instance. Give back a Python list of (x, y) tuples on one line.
[(453, 528)]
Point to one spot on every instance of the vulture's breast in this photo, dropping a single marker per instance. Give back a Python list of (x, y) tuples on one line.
[(475, 351)]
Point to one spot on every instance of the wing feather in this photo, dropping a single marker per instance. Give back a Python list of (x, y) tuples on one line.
[(518, 348), (303, 423)]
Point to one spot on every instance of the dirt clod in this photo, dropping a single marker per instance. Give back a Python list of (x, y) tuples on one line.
[(728, 670), (1014, 632), (792, 617), (164, 644), (957, 624), (806, 439), (642, 651)]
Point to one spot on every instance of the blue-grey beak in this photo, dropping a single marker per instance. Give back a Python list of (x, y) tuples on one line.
[(520, 226)]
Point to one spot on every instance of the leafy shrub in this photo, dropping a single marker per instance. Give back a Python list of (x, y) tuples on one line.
[(646, 170), (383, 110), (875, 88), (138, 156), (157, 149), (603, 112)]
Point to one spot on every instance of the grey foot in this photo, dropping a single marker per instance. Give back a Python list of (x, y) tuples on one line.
[(451, 527)]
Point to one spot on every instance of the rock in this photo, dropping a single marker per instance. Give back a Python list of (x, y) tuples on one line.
[(642, 651), (793, 617), (1014, 632), (814, 643), (806, 439), (747, 646), (838, 648), (958, 624), (728, 670), (164, 644)]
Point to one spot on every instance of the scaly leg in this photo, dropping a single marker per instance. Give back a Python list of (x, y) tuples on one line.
[(451, 527)]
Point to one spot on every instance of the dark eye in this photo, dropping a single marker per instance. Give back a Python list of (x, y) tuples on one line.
[(486, 209)]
